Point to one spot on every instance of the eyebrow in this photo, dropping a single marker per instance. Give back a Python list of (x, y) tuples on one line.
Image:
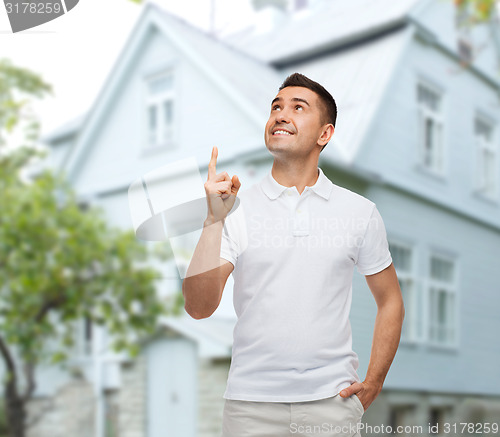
[(295, 99)]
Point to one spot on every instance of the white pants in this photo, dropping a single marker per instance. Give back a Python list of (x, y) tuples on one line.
[(334, 416)]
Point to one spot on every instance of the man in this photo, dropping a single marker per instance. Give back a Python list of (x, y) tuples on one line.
[(292, 244)]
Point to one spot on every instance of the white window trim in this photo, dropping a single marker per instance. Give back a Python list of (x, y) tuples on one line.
[(82, 346), (147, 100), (480, 146), (423, 113), (452, 287)]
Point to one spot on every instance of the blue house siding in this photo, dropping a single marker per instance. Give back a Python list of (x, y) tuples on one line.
[(391, 146), (421, 366)]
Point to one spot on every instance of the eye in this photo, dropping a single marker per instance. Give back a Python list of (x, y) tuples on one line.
[(275, 107), (298, 107)]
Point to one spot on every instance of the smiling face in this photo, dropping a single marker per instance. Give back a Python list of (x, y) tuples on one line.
[(296, 123)]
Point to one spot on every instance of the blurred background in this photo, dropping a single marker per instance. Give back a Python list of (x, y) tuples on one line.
[(94, 339)]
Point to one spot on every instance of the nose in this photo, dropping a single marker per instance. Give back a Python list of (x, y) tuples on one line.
[(282, 116)]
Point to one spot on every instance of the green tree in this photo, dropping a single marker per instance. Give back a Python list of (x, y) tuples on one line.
[(17, 86), (59, 264)]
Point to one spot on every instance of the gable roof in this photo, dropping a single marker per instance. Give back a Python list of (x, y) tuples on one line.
[(232, 72), (250, 83), (246, 75), (352, 37), (327, 26)]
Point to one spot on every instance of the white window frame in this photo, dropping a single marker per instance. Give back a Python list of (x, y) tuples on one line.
[(413, 318), (451, 289), (162, 139), (484, 147), (438, 160)]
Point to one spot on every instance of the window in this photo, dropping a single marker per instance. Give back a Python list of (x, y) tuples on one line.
[(430, 128), (160, 109), (438, 416), (83, 337), (402, 257), (487, 158), (401, 416), (87, 336), (442, 301)]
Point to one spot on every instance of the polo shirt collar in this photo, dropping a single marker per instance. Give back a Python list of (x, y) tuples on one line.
[(273, 189)]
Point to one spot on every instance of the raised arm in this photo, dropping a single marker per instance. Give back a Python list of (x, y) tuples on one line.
[(207, 273)]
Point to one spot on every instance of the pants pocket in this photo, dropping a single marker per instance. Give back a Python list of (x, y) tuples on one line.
[(358, 403)]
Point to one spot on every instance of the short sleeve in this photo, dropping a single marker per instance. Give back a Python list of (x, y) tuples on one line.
[(374, 255), (234, 239), (228, 247)]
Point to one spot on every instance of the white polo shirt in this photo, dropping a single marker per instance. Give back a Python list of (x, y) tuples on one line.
[(294, 256)]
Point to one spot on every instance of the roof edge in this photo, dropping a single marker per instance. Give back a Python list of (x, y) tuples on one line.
[(344, 43)]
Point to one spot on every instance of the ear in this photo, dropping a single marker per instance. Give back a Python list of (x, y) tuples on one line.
[(326, 134)]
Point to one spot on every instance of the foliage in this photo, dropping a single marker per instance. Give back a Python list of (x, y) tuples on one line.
[(478, 10), (54, 257), (58, 263), (17, 86)]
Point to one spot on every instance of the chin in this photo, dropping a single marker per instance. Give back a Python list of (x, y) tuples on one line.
[(277, 148)]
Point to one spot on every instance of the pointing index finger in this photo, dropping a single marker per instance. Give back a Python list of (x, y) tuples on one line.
[(212, 163)]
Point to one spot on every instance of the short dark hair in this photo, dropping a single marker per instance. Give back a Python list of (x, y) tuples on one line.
[(329, 105)]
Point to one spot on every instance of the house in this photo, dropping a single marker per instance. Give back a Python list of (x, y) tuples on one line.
[(417, 133)]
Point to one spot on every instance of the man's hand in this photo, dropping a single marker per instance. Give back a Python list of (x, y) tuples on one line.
[(366, 391), (221, 191)]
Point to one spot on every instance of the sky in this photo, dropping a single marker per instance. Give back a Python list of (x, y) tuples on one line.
[(76, 52)]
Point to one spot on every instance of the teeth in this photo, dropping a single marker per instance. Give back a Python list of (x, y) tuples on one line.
[(282, 132)]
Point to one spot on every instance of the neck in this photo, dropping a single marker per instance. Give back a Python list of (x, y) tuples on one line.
[(295, 174)]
